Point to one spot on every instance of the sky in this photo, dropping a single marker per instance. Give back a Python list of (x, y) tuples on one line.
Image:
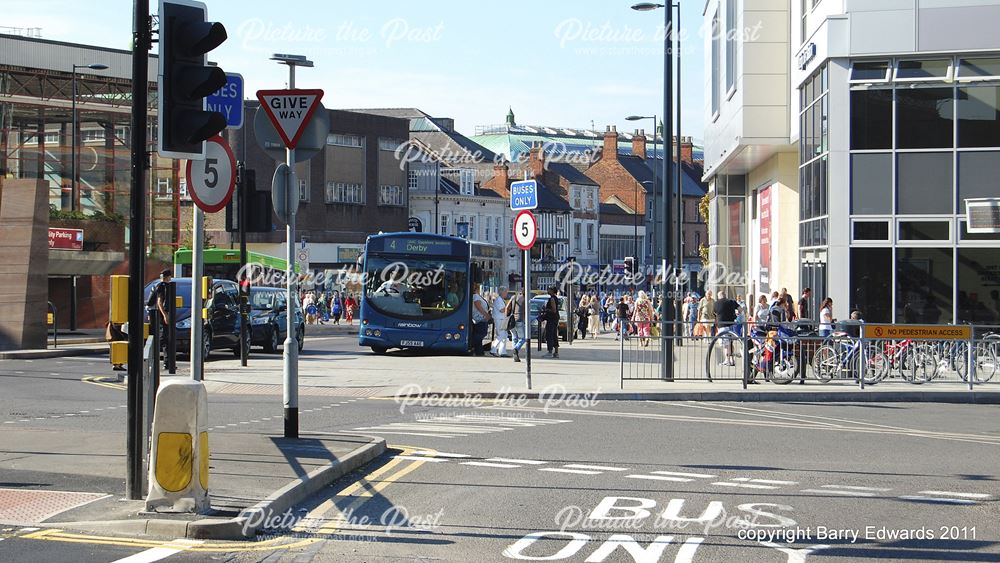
[(566, 63)]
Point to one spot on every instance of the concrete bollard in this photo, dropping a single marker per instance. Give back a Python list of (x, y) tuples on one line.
[(178, 461)]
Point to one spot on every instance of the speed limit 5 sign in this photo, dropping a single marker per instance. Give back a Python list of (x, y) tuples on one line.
[(211, 181), (525, 230)]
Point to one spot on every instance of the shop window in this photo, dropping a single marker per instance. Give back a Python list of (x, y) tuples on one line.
[(871, 184), (924, 183), (871, 285), (924, 285), (924, 118), (966, 235), (978, 286), (870, 72), (871, 119), (924, 230), (978, 176), (871, 230), (978, 111)]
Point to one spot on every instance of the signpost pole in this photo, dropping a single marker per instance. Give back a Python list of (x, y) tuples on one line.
[(291, 348), (241, 210), (197, 271), (526, 316)]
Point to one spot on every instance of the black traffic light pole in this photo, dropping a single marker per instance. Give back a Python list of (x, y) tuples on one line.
[(241, 208), (141, 39)]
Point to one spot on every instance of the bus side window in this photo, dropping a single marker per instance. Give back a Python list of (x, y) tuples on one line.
[(476, 273)]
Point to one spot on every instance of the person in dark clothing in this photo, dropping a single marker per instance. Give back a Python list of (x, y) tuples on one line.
[(622, 315), (803, 304), (551, 313), (726, 310)]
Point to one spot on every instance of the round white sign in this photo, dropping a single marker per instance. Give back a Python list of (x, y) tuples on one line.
[(211, 181), (525, 230)]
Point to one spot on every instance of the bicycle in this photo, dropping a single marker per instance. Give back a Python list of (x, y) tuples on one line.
[(771, 353), (914, 362), (842, 357)]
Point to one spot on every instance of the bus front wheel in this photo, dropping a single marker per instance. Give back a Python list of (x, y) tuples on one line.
[(380, 350)]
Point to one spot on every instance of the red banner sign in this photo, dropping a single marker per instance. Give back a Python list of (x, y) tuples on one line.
[(66, 239)]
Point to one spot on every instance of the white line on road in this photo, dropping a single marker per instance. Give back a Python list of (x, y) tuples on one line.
[(596, 467), (951, 494), (850, 488), (743, 485), (838, 492), (157, 553), (764, 481), (938, 500), (520, 461), (679, 474), (419, 458), (440, 454), (424, 434), (661, 478), (487, 464), (574, 471)]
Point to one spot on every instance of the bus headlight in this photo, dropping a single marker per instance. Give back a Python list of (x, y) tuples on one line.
[(377, 333), (456, 336), (447, 336), (368, 333)]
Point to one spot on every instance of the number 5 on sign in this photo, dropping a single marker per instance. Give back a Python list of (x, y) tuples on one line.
[(525, 230), (211, 181)]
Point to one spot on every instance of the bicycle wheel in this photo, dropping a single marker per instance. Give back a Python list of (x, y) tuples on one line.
[(919, 364), (876, 365), (826, 363), (724, 359), (985, 358), (786, 367)]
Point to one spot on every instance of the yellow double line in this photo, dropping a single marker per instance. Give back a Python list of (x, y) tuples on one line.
[(104, 382), (214, 547)]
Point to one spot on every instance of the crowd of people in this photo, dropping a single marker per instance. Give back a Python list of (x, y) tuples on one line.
[(321, 307)]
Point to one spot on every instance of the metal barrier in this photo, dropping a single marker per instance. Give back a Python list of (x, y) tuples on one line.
[(52, 319), (795, 352)]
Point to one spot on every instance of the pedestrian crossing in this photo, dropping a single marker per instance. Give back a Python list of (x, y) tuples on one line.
[(459, 425)]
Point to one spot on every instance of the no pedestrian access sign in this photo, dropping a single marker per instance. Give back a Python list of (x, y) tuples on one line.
[(290, 111), (929, 332)]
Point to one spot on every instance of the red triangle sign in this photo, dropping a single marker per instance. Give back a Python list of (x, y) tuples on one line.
[(290, 111)]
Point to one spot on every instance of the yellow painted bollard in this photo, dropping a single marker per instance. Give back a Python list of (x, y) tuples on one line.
[(178, 460)]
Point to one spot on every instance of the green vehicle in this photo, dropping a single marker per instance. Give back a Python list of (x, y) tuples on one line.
[(224, 263)]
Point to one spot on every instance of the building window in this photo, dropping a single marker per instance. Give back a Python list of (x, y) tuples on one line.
[(924, 118), (870, 72), (925, 230), (489, 228), (577, 243), (163, 188), (344, 140), (391, 195), (387, 144), (577, 198), (924, 285), (444, 225), (924, 183), (496, 229), (871, 283), (871, 184), (911, 71), (979, 69), (871, 119), (978, 110), (340, 192), (303, 190), (871, 230), (716, 47), (472, 227), (590, 237), (467, 181), (411, 180), (731, 36)]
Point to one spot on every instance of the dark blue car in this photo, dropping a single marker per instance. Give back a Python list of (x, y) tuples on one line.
[(268, 314), (223, 327)]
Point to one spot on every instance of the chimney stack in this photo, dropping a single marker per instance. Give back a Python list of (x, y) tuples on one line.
[(501, 179), (687, 150), (536, 159), (639, 144), (610, 143)]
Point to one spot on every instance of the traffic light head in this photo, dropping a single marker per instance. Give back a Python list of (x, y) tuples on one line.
[(185, 79)]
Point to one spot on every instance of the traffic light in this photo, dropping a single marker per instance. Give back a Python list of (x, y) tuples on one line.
[(630, 267), (259, 211), (185, 79)]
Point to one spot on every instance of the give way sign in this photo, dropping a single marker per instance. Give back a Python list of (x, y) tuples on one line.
[(290, 111)]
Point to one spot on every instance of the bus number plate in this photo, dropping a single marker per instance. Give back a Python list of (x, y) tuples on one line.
[(412, 343)]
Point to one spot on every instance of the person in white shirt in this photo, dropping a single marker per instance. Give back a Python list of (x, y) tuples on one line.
[(480, 316), (826, 317), (498, 310)]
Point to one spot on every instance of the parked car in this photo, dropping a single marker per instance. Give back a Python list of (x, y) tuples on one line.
[(537, 304), (223, 328), (268, 315)]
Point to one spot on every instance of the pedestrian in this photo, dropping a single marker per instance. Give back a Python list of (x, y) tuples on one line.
[(349, 306), (113, 333), (480, 321), (760, 313), (642, 316), (498, 348), (803, 305), (158, 301), (826, 318), (726, 311), (685, 315), (594, 323), (515, 315), (790, 308), (551, 313), (336, 307), (323, 314), (706, 316), (582, 317), (607, 311), (621, 319), (692, 314)]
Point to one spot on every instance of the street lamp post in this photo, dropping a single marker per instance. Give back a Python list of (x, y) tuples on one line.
[(666, 319), (74, 190), (652, 187)]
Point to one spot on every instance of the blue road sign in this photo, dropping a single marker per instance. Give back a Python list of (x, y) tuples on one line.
[(228, 100), (524, 195)]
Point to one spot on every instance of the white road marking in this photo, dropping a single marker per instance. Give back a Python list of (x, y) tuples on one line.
[(574, 471), (157, 553), (661, 478), (850, 488), (487, 464), (938, 500), (417, 434), (743, 485), (29, 529), (520, 461), (596, 467), (9, 421), (764, 481), (679, 474), (440, 454), (838, 492), (951, 494)]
